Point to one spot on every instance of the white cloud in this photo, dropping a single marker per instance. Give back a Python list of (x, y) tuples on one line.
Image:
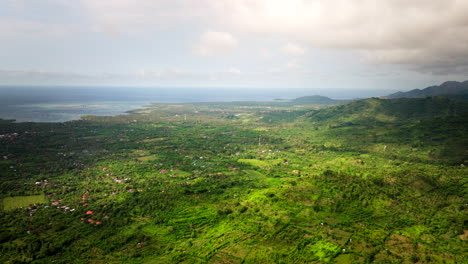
[(265, 54), (214, 43), (293, 49), (226, 75), (22, 28), (133, 15), (233, 71), (141, 76), (294, 64)]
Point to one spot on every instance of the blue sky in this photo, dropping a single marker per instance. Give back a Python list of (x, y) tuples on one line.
[(333, 44)]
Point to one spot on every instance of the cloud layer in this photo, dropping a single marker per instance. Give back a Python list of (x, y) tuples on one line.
[(133, 15), (426, 39), (213, 43), (293, 49), (427, 36)]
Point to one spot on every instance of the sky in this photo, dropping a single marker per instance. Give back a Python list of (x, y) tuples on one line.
[(328, 44)]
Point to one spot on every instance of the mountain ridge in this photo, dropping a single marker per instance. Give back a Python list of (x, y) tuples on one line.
[(448, 88)]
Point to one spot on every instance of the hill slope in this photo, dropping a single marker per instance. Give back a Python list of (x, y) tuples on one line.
[(397, 110), (316, 99), (447, 88), (433, 122)]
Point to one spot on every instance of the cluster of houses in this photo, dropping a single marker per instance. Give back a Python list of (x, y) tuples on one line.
[(120, 181), (44, 182), (90, 220), (32, 209), (10, 136), (64, 208), (14, 136)]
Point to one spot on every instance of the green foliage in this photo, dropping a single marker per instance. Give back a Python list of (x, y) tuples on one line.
[(376, 181)]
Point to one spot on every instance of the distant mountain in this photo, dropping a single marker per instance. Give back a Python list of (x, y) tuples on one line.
[(450, 89), (316, 99), (399, 110)]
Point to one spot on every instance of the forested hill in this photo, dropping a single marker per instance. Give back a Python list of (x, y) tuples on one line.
[(450, 88), (316, 99), (433, 122), (392, 111)]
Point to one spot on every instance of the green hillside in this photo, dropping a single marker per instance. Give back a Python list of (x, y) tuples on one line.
[(437, 122), (402, 110)]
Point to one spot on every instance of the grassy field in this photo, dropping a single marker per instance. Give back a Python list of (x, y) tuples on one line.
[(10, 203)]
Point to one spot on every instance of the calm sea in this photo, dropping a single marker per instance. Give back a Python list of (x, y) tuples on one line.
[(59, 104)]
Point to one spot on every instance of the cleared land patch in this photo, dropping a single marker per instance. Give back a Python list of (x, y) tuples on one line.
[(10, 203)]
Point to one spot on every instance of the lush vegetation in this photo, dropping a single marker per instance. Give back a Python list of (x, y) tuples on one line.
[(370, 181)]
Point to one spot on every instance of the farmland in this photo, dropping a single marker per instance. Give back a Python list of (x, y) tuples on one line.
[(369, 181)]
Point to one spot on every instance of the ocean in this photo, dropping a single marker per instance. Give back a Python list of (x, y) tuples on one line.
[(61, 103)]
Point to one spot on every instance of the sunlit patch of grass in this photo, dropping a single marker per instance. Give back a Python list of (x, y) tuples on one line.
[(259, 163), (324, 250), (10, 203), (180, 174), (148, 158), (415, 231), (150, 140)]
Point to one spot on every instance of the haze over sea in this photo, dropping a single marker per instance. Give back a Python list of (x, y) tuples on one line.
[(60, 103)]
